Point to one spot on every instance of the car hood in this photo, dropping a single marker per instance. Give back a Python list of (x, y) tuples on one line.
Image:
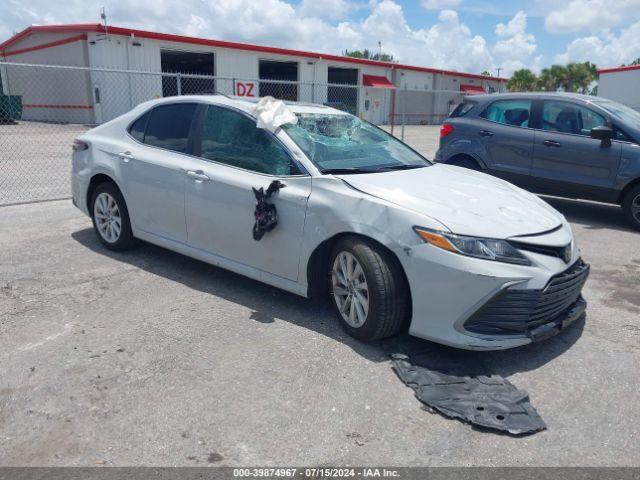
[(467, 202)]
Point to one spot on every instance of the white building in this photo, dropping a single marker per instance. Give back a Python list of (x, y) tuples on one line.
[(621, 85), (93, 96)]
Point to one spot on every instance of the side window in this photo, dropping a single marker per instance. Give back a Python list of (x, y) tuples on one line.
[(168, 126), (137, 128), (232, 138), (509, 112), (569, 118), (462, 109)]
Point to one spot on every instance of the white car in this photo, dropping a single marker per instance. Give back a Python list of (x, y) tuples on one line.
[(462, 258)]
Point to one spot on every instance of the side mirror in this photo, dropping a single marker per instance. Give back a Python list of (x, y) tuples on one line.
[(602, 133)]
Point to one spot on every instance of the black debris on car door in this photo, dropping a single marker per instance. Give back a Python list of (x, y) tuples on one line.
[(488, 401), (265, 214)]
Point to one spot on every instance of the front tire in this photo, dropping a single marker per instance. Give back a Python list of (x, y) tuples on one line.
[(368, 289), (631, 207), (111, 218)]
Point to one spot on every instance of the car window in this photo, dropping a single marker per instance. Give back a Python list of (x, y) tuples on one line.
[(509, 112), (168, 126), (567, 117), (232, 138), (344, 142), (462, 109), (137, 128)]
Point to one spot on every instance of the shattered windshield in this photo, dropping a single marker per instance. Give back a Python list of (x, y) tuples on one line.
[(344, 144)]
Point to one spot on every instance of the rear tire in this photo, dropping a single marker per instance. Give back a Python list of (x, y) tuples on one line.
[(368, 289), (465, 162), (631, 207), (110, 217)]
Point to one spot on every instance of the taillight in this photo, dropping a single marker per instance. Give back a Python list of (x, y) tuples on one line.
[(79, 145), (445, 129)]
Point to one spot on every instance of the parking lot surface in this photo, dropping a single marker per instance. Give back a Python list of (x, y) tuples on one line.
[(151, 358)]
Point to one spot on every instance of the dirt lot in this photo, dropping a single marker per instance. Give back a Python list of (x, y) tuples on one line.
[(150, 358)]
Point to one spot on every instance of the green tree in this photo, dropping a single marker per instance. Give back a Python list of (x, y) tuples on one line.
[(523, 80), (368, 55), (486, 73), (553, 78)]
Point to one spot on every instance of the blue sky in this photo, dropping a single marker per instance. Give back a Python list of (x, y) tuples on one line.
[(465, 35)]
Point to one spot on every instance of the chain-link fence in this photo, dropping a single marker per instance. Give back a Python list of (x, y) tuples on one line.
[(44, 107)]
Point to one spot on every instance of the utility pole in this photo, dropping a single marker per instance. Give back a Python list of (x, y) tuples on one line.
[(499, 83), (379, 50), (498, 70)]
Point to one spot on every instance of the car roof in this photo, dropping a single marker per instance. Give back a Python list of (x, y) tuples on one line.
[(245, 104), (533, 95)]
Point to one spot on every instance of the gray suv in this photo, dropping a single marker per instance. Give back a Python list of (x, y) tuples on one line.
[(569, 145)]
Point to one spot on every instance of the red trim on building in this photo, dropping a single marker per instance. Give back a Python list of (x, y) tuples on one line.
[(619, 69), (57, 43), (169, 37), (46, 105), (377, 81), (472, 89)]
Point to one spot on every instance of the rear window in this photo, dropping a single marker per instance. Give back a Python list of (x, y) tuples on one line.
[(168, 126), (462, 109), (137, 128)]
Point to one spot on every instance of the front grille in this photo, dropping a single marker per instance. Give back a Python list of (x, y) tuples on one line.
[(519, 311), (564, 253)]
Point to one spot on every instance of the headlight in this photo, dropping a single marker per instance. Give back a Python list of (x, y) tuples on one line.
[(485, 248)]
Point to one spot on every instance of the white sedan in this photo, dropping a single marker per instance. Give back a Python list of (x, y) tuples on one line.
[(323, 202)]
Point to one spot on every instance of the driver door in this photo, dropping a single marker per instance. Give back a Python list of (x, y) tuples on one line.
[(566, 160), (234, 156)]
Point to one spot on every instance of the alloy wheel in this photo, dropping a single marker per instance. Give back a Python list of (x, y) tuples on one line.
[(350, 289), (635, 208), (107, 217)]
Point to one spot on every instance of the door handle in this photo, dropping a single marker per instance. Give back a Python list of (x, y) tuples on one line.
[(126, 157), (485, 133), (551, 143), (198, 175)]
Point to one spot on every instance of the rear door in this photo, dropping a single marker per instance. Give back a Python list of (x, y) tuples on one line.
[(152, 169), (566, 160), (234, 157), (505, 133)]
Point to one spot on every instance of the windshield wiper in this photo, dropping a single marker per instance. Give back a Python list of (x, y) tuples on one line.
[(400, 167), (348, 170), (382, 168)]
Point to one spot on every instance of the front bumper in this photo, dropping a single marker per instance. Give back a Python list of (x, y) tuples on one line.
[(482, 305)]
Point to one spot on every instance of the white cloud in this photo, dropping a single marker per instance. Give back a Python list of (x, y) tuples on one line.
[(327, 9), (515, 47), (440, 4), (591, 15), (605, 50), (448, 43)]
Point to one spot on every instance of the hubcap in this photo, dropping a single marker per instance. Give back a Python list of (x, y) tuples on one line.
[(635, 208), (108, 219), (350, 290)]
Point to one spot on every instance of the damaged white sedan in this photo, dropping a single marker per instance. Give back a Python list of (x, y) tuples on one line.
[(316, 200)]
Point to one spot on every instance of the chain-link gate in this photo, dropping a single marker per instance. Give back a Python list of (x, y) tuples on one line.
[(43, 108)]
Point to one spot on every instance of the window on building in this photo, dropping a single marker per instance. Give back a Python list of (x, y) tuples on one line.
[(509, 112), (197, 63), (285, 72), (343, 98), (232, 138), (168, 126), (567, 117)]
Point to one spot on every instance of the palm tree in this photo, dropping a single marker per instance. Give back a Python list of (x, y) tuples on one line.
[(553, 78), (522, 80)]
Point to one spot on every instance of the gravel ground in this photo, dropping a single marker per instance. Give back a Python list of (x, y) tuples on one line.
[(151, 358)]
